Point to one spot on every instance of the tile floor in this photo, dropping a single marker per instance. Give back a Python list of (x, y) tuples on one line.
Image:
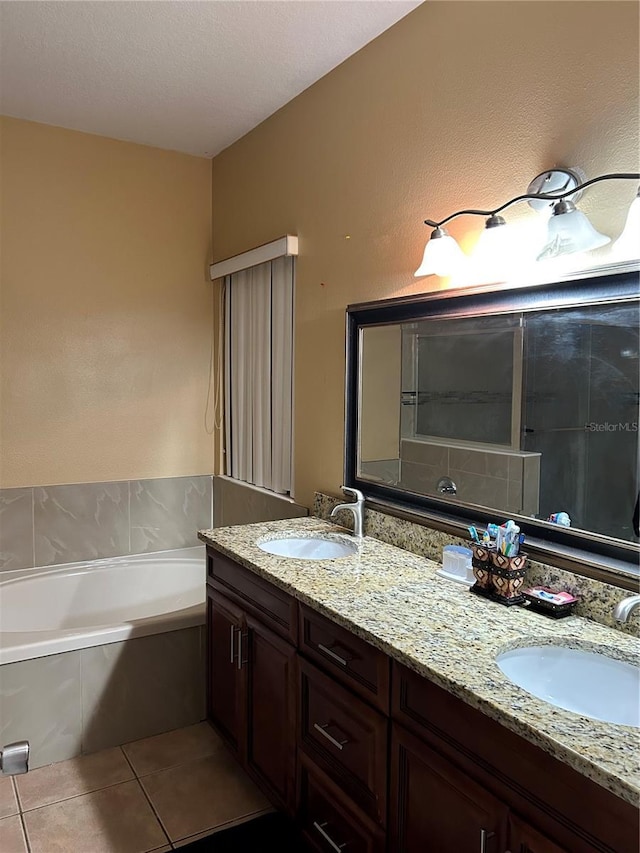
[(155, 794)]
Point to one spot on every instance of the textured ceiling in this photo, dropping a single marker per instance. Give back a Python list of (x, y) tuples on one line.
[(189, 76)]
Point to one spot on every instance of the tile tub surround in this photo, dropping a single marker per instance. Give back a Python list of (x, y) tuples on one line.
[(107, 802), (52, 525), (393, 599), (597, 599), (235, 502), (82, 701)]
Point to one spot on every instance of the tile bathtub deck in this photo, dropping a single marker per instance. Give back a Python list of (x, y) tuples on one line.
[(156, 794)]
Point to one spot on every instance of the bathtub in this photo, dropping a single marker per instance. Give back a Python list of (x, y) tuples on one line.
[(96, 654), (45, 611)]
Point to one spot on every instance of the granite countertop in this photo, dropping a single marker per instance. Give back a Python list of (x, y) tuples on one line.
[(394, 600)]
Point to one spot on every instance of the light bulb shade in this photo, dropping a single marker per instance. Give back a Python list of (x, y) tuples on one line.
[(570, 231), (493, 255), (442, 255), (493, 240), (627, 246)]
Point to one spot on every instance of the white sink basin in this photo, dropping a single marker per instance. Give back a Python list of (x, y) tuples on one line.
[(593, 685), (310, 547)]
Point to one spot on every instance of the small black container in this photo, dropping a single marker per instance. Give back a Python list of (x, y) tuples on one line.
[(548, 608)]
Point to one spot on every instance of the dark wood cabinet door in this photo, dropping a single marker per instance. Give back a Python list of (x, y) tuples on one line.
[(435, 807), (523, 838), (270, 755), (225, 699)]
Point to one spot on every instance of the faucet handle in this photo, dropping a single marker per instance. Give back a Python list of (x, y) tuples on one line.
[(356, 493)]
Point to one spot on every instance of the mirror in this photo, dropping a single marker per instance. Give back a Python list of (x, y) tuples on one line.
[(494, 404)]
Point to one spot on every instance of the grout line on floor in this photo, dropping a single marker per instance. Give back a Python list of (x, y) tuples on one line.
[(75, 796), (24, 832), (148, 799), (180, 762), (126, 758), (155, 813), (16, 792)]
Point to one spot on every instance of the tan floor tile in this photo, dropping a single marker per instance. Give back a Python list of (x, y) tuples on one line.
[(12, 836), (172, 748), (73, 777), (8, 802), (114, 820), (201, 795)]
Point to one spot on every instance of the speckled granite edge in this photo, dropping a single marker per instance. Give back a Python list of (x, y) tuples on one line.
[(597, 599), (393, 600)]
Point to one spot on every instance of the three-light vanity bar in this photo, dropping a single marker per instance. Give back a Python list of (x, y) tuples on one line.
[(555, 191)]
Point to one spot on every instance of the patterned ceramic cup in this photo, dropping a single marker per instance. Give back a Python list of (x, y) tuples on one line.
[(507, 577), (481, 564)]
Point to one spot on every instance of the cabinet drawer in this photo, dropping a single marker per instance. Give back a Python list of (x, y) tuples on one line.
[(346, 738), (275, 608), (329, 822), (352, 661)]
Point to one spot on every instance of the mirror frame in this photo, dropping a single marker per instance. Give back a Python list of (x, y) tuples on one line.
[(583, 552)]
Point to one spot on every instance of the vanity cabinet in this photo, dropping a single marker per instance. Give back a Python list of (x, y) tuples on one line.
[(525, 839), (550, 808), (345, 738), (435, 807), (251, 674), (370, 756), (328, 821), (225, 682), (354, 663)]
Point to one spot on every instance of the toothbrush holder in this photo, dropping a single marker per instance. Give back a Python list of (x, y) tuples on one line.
[(482, 569), (507, 577)]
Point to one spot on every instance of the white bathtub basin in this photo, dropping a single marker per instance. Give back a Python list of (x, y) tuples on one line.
[(587, 683), (54, 609), (309, 547)]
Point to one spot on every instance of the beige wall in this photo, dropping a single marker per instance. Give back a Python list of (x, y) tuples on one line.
[(106, 311), (459, 104), (381, 392)]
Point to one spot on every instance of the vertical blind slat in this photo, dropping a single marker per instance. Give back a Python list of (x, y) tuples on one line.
[(258, 374)]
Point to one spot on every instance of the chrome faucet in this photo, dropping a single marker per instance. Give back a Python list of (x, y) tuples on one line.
[(625, 608), (357, 508)]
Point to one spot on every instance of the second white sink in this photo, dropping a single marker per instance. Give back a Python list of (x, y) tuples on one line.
[(587, 683), (309, 547)]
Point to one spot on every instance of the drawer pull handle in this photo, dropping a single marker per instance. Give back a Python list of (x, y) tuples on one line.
[(342, 661), (232, 635), (240, 660), (339, 744), (319, 827), (484, 837)]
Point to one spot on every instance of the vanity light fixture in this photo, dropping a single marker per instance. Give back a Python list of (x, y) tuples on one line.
[(555, 191), (442, 255), (627, 245)]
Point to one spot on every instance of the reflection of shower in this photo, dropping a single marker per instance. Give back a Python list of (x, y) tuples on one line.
[(581, 413), (14, 758)]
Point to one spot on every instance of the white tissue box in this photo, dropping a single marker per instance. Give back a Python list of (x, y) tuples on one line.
[(456, 564)]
